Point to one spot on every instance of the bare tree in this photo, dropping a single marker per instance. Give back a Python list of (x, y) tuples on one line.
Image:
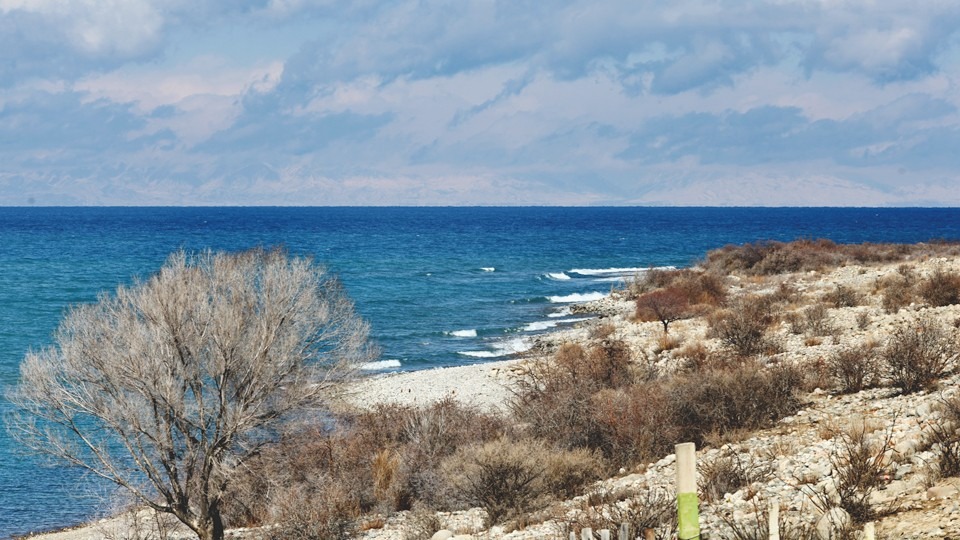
[(665, 305), (165, 386)]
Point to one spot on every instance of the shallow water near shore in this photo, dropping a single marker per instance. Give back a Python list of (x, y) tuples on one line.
[(440, 286)]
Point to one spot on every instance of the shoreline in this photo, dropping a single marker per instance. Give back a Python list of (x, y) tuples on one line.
[(798, 446)]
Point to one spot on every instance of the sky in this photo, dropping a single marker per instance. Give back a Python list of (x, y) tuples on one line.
[(467, 102)]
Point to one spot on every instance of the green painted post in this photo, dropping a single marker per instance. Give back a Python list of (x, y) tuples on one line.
[(688, 512)]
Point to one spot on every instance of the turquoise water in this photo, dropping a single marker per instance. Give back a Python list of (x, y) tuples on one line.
[(440, 286)]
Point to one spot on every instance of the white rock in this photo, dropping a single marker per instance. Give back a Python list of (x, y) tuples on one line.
[(834, 520)]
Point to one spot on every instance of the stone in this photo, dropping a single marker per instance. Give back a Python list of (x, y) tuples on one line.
[(442, 534), (941, 492), (836, 519)]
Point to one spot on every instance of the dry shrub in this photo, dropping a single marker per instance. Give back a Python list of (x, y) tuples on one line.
[(653, 510), (696, 356), (666, 342), (854, 368), (322, 512), (728, 473), (720, 400), (843, 296), (943, 437), (768, 258), (918, 355), (897, 293), (632, 424), (942, 288), (758, 527), (426, 436), (552, 398), (859, 469), (510, 478), (743, 325), (816, 321), (385, 459), (863, 320)]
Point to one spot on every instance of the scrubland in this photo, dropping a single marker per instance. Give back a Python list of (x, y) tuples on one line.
[(817, 375)]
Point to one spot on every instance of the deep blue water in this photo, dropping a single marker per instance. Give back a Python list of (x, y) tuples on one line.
[(440, 286)]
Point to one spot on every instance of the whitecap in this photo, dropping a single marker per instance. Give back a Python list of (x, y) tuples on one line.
[(577, 297), (479, 354), (462, 333), (380, 365), (540, 325), (617, 271), (502, 348), (488, 269), (560, 313), (559, 276)]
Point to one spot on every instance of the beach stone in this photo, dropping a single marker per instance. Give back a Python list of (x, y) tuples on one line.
[(941, 492), (442, 534), (834, 520)]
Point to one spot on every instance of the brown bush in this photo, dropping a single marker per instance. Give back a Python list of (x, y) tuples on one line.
[(843, 296), (632, 424), (509, 478), (768, 258), (897, 293), (941, 288), (816, 321), (917, 355), (724, 400), (742, 326), (854, 368), (728, 473)]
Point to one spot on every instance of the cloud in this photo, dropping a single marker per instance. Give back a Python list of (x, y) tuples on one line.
[(403, 100)]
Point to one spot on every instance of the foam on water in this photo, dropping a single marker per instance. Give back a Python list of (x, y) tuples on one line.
[(559, 276), (462, 333), (577, 297), (488, 269), (381, 365), (563, 312), (502, 348), (617, 271), (540, 326)]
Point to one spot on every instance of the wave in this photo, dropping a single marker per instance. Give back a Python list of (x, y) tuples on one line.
[(479, 354), (540, 325), (502, 348), (563, 312), (577, 297), (488, 269), (380, 365), (559, 276), (462, 333), (617, 271)]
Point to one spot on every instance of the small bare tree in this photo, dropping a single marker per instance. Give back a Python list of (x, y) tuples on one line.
[(164, 387), (664, 305)]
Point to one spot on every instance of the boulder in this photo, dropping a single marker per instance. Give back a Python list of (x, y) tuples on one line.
[(442, 534), (836, 519)]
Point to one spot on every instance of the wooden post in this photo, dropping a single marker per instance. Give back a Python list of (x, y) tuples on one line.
[(688, 512), (774, 522), (624, 532), (869, 531), (604, 534), (586, 534)]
